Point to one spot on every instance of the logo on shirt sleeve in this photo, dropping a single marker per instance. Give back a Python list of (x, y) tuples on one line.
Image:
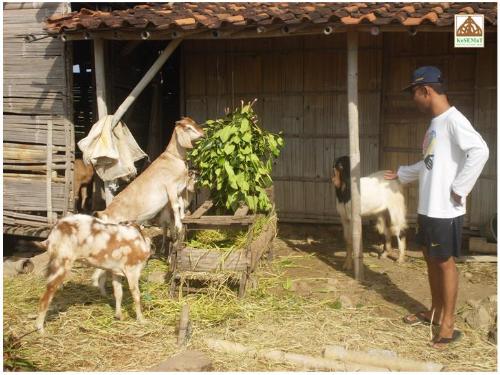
[(428, 148)]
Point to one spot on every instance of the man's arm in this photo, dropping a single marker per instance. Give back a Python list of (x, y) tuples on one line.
[(408, 173), (477, 152)]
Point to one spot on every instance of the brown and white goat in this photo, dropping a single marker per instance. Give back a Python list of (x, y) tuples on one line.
[(164, 219), (82, 183), (120, 249), (381, 198)]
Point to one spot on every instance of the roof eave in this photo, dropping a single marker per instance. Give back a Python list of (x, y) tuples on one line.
[(243, 32)]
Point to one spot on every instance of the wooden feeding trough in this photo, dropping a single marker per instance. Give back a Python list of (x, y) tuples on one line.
[(190, 266)]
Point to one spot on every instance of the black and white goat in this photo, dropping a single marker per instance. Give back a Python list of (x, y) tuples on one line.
[(380, 198)]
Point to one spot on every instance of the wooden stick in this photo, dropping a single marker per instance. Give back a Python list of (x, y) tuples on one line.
[(241, 211), (200, 211), (301, 360), (145, 81), (183, 325), (353, 118), (49, 171), (390, 363), (477, 258), (15, 214)]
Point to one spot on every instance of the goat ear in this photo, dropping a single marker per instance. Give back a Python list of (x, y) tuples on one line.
[(183, 138)]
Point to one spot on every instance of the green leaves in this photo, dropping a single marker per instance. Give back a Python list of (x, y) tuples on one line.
[(229, 149), (235, 160)]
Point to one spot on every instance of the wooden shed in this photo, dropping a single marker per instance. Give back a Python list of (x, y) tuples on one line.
[(291, 57), (38, 131)]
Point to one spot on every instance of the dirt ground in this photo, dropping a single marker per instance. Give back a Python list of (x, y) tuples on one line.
[(401, 287), (302, 301)]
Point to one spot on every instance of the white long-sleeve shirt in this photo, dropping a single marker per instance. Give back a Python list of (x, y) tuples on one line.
[(454, 155)]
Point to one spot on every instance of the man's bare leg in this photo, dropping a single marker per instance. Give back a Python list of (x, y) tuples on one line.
[(435, 284), (433, 274), (449, 290)]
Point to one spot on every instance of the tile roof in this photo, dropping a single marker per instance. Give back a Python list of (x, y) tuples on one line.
[(210, 16)]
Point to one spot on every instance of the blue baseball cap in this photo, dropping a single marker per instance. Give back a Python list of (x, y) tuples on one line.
[(424, 75)]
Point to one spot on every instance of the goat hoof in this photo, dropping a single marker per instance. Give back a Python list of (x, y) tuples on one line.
[(119, 317), (40, 329), (401, 260), (141, 320)]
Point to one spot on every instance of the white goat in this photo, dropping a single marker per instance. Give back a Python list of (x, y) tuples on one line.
[(161, 183), (118, 248), (379, 197)]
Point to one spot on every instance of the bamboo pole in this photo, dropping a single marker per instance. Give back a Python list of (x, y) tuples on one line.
[(99, 191), (100, 78), (353, 118), (300, 360), (390, 364), (153, 70)]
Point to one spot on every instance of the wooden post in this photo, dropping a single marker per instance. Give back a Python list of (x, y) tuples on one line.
[(353, 118), (49, 172), (145, 80), (100, 78), (184, 326), (101, 189)]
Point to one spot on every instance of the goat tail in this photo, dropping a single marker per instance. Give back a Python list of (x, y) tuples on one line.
[(41, 245), (381, 224)]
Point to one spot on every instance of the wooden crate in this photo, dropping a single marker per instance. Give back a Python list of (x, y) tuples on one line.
[(208, 265)]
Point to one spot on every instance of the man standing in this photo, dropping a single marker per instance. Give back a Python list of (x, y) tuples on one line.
[(454, 155)]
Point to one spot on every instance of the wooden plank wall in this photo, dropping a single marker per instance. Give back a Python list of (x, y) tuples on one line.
[(483, 200), (300, 83), (36, 83), (471, 77)]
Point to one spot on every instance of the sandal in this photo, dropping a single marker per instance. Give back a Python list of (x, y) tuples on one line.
[(445, 341), (414, 319)]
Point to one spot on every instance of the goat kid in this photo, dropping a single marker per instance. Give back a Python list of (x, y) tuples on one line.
[(82, 182), (164, 219), (381, 198), (165, 215), (118, 248)]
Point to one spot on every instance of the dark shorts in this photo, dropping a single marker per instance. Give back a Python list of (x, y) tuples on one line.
[(441, 237)]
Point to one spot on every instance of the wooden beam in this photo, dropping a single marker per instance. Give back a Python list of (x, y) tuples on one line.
[(100, 78), (353, 119), (251, 32), (153, 70)]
